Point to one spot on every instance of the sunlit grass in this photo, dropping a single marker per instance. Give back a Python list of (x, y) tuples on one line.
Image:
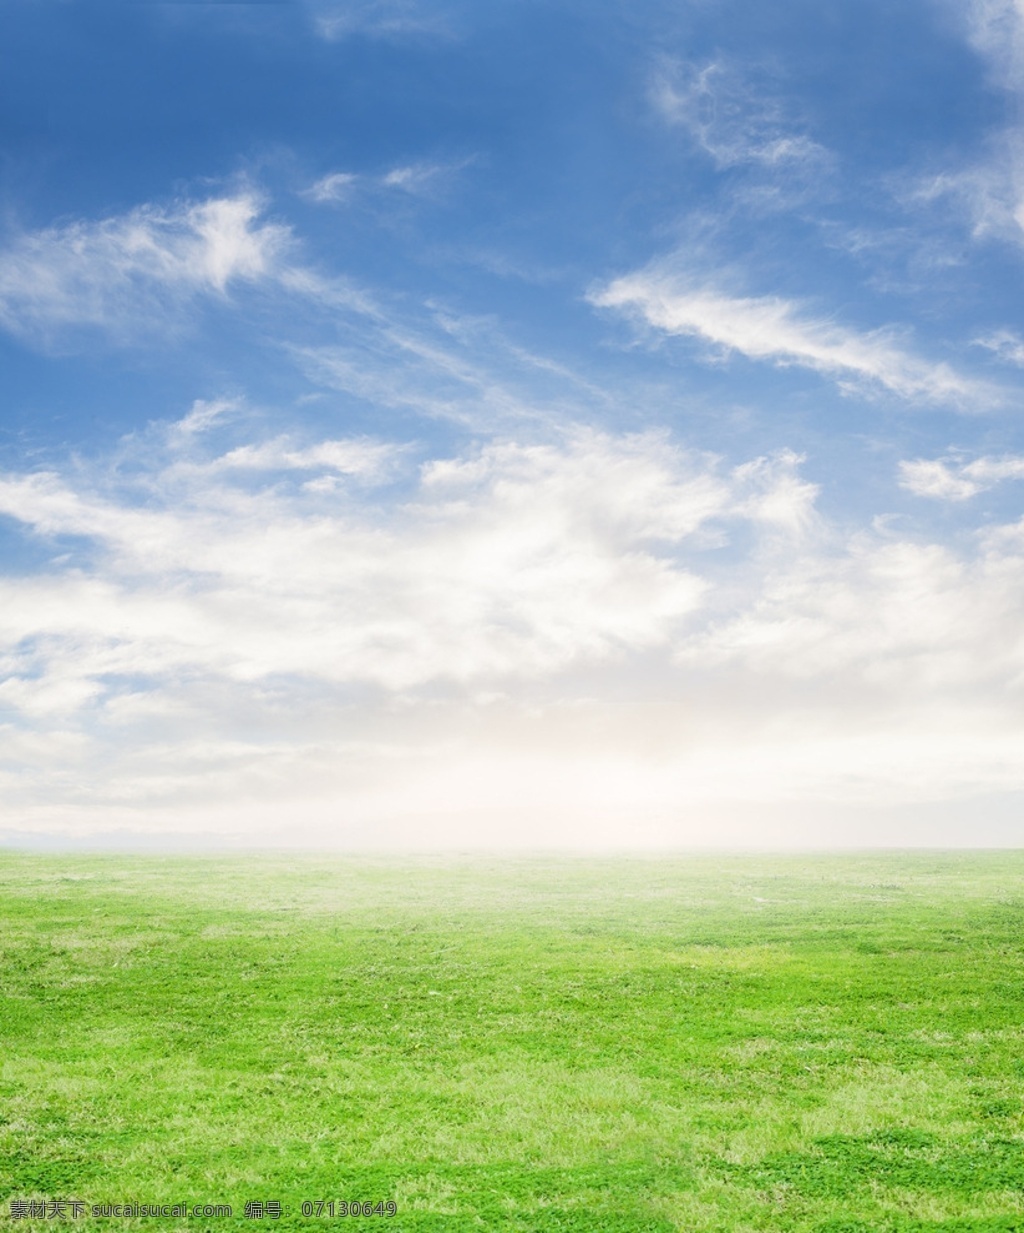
[(828, 1043)]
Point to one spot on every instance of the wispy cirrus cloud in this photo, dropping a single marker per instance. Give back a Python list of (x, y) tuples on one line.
[(332, 188), (446, 366), (140, 277), (1006, 345), (134, 272), (379, 19), (996, 29), (733, 120), (420, 179), (950, 479), (988, 192), (328, 463), (365, 458), (988, 195), (781, 332)]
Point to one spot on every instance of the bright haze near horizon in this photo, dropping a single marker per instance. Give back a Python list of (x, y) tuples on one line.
[(571, 425)]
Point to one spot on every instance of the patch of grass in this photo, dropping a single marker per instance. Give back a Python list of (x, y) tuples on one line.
[(830, 1044)]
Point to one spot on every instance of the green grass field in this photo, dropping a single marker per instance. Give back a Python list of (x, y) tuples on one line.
[(830, 1043)]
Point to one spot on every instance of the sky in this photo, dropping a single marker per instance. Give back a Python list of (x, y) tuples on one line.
[(579, 425)]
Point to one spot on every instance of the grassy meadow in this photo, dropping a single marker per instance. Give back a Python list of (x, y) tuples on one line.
[(830, 1043)]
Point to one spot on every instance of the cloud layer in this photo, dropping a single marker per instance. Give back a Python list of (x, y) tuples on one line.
[(346, 634), (516, 560)]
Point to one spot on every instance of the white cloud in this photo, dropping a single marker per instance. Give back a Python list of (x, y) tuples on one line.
[(563, 639), (466, 380), (990, 192), (422, 179), (895, 615), (419, 179), (142, 276), (381, 19), (996, 29), (203, 415), (355, 457), (516, 560), (773, 329), (930, 477), (136, 271), (778, 495), (951, 480), (1006, 345), (732, 120), (338, 186)]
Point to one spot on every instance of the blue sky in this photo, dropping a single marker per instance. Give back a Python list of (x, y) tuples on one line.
[(511, 424)]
